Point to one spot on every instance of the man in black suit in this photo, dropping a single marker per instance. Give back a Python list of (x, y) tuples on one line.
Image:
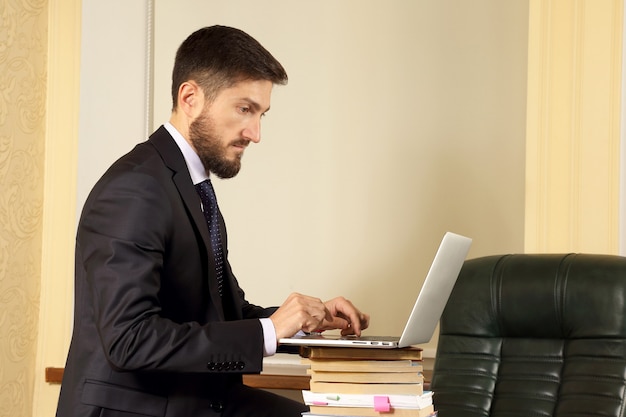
[(161, 326)]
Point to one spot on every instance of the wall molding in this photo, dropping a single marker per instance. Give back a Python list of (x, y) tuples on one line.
[(59, 213), (622, 203), (573, 126)]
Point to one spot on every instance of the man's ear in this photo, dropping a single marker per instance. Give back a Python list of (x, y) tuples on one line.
[(190, 99)]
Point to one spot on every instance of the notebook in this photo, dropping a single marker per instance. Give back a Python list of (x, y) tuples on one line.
[(426, 312)]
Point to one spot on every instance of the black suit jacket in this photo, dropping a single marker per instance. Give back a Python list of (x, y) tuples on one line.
[(151, 335)]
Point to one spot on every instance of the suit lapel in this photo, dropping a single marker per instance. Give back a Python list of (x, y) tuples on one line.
[(173, 158)]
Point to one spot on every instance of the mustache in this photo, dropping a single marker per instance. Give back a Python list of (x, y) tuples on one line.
[(240, 142)]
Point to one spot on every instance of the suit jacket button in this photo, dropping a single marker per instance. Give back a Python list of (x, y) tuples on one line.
[(217, 406), (241, 365), (211, 366)]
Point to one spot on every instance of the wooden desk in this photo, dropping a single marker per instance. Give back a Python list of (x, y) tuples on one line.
[(279, 372), (265, 381), (282, 371)]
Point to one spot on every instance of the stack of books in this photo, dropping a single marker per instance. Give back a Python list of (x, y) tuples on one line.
[(366, 382)]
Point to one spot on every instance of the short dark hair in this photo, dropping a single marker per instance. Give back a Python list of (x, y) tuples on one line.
[(218, 57)]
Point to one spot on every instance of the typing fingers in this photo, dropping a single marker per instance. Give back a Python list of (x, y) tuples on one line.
[(299, 312)]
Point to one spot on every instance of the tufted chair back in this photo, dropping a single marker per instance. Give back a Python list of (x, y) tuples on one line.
[(534, 335)]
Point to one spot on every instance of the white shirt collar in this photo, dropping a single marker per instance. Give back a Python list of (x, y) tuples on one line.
[(194, 165)]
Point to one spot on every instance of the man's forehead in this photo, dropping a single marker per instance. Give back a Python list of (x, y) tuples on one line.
[(256, 93)]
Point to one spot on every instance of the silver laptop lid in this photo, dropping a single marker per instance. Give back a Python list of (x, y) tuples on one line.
[(436, 290), (427, 309)]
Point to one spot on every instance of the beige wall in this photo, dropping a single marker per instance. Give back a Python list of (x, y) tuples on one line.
[(398, 124), (112, 94), (23, 37)]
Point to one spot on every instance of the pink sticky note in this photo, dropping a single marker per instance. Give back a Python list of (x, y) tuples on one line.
[(381, 404)]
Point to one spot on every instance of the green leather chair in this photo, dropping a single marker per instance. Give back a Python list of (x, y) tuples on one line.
[(534, 335)]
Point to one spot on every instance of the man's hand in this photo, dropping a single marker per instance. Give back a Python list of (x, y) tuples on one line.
[(345, 316), (299, 312)]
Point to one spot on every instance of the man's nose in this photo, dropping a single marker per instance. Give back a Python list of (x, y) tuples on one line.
[(252, 131)]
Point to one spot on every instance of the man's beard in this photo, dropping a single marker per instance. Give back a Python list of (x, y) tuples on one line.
[(211, 150)]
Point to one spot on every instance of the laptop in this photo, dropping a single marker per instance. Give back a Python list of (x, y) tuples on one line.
[(426, 312)]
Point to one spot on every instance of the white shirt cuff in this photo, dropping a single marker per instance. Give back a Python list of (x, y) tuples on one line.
[(269, 334)]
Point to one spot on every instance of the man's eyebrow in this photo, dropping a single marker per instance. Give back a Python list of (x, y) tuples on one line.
[(256, 106)]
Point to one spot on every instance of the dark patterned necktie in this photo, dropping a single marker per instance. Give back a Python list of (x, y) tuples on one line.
[(209, 205)]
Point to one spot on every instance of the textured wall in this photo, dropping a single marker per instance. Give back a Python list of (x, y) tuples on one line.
[(23, 45)]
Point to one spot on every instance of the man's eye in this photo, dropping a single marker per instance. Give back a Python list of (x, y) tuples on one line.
[(244, 109)]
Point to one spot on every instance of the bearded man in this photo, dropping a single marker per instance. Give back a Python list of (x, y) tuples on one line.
[(161, 326)]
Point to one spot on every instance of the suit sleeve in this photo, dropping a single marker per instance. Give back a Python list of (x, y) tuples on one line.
[(129, 229)]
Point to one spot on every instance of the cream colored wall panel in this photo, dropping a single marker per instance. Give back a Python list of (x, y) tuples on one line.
[(61, 140), (622, 152), (574, 89)]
